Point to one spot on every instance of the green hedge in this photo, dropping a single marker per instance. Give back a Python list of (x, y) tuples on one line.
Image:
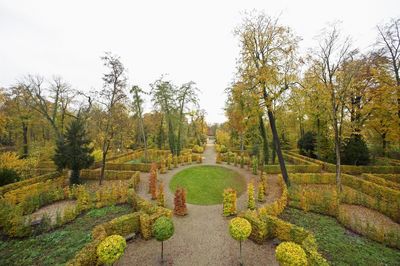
[(26, 182), (108, 174), (142, 167)]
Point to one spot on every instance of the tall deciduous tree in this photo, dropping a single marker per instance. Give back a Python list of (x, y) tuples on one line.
[(268, 63), (163, 98), (329, 66), (187, 94), (112, 95), (390, 43), (137, 106)]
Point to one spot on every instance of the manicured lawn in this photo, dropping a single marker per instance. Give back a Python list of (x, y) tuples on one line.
[(340, 246), (60, 245), (205, 184)]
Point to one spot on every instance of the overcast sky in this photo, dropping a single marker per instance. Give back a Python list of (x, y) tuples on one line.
[(185, 39)]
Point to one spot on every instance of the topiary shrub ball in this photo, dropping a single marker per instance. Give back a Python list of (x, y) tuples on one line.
[(111, 249), (290, 254), (239, 228), (163, 228)]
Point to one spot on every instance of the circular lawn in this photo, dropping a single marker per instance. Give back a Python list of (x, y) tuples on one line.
[(205, 184)]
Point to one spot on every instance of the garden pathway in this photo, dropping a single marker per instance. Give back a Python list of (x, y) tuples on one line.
[(201, 237)]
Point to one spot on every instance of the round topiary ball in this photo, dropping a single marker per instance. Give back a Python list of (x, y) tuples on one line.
[(163, 228), (290, 254), (111, 249), (239, 228)]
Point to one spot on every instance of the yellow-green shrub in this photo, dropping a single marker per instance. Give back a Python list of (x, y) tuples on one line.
[(381, 181), (259, 232), (251, 201), (111, 249), (290, 254), (279, 205), (229, 202)]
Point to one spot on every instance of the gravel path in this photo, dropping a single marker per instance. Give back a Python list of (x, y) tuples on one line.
[(51, 210), (201, 237)]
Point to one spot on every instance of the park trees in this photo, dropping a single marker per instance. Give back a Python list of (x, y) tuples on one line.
[(330, 65), (137, 106), (268, 63), (112, 95)]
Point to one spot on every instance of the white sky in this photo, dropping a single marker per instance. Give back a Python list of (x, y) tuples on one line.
[(187, 40)]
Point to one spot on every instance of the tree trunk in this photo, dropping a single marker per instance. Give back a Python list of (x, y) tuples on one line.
[(240, 252), (25, 140), (74, 177), (278, 146), (263, 134), (337, 153), (103, 167), (384, 143), (162, 251)]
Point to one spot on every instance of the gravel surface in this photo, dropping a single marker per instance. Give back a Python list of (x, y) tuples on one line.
[(52, 209), (201, 237)]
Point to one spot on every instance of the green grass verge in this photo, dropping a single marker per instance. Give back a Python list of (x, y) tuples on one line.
[(205, 184), (339, 245), (58, 246)]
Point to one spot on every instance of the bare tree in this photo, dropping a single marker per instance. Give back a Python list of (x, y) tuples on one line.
[(51, 101), (329, 67), (390, 43), (112, 95)]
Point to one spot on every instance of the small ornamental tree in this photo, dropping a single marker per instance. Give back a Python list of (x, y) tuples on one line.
[(111, 249), (153, 181), (251, 202), (307, 144), (163, 229), (229, 202), (261, 192), (160, 196), (239, 229), (290, 254), (355, 151), (73, 150), (180, 202)]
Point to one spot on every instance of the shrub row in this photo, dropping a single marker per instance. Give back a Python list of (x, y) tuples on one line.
[(381, 181), (351, 169), (266, 227), (142, 167), (278, 206), (139, 221), (388, 235), (390, 177), (276, 169), (108, 174), (26, 182)]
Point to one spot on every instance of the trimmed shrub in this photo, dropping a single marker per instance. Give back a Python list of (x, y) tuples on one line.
[(153, 182), (160, 196), (229, 202), (355, 151), (180, 202), (307, 143), (290, 254), (111, 249), (261, 192), (251, 202), (240, 230), (163, 229), (255, 165)]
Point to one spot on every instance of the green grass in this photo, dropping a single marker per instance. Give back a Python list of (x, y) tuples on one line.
[(60, 245), (205, 184), (340, 246)]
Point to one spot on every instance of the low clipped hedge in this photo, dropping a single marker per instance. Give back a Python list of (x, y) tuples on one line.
[(390, 177), (141, 167), (267, 227), (277, 207), (140, 221), (108, 174), (26, 182), (276, 169), (381, 181), (350, 169)]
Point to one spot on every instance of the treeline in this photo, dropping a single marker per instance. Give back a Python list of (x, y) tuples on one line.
[(335, 97), (36, 111)]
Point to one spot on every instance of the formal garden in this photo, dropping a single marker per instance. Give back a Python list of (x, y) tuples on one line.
[(305, 170)]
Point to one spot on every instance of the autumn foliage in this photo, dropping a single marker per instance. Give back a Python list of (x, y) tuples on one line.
[(180, 202)]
